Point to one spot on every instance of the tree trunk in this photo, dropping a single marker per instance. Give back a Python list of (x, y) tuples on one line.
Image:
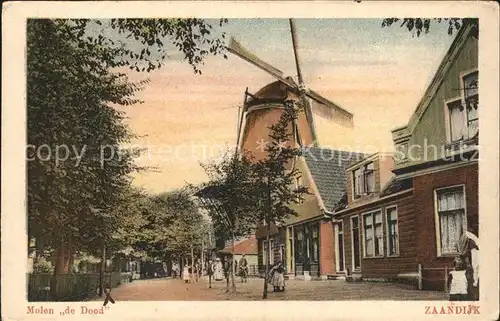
[(233, 266), (102, 270), (202, 257), (168, 258), (192, 261), (268, 221), (268, 259)]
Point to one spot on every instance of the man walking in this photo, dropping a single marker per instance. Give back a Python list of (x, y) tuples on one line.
[(210, 271), (243, 269)]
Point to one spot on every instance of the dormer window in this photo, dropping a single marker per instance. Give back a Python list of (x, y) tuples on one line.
[(363, 180)]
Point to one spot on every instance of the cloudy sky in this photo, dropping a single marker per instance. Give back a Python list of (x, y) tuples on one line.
[(376, 73)]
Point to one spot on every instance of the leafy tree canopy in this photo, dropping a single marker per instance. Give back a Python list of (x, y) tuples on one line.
[(420, 26)]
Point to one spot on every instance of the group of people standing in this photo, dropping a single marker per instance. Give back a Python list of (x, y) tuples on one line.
[(192, 270), (218, 271)]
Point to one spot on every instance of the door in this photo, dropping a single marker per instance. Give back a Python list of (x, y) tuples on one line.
[(340, 247), (356, 244)]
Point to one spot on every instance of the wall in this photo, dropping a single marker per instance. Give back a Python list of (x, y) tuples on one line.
[(431, 126), (386, 266), (326, 248), (424, 187), (257, 125)]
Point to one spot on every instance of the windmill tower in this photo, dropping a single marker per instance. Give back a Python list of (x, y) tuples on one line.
[(264, 108)]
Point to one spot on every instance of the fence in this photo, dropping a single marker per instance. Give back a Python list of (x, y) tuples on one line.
[(430, 281), (70, 287), (253, 270)]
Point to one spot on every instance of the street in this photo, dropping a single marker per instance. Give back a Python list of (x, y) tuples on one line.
[(175, 289)]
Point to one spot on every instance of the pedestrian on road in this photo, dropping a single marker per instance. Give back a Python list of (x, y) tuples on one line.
[(185, 273), (218, 273), (276, 275), (243, 269), (228, 265), (457, 282), (210, 271)]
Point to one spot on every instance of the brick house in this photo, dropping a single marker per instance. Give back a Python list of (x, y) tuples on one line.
[(305, 243), (436, 165), (373, 221)]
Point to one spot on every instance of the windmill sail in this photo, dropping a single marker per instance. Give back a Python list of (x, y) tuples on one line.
[(320, 106)]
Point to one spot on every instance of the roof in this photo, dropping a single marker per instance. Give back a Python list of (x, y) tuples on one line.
[(394, 186), (468, 29), (248, 247), (328, 170), (397, 185)]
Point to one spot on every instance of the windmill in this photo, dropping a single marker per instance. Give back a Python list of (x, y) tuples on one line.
[(263, 107)]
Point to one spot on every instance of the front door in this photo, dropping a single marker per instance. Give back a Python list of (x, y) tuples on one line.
[(340, 247), (356, 244)]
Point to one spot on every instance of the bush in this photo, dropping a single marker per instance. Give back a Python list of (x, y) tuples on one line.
[(43, 266)]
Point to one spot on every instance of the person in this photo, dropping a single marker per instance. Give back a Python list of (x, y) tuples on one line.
[(277, 278), (468, 247), (218, 275), (210, 272), (185, 273), (196, 271), (228, 265), (243, 269), (457, 282)]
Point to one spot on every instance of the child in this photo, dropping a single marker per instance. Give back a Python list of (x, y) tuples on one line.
[(457, 282)]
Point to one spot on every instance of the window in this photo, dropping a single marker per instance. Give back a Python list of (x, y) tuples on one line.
[(299, 246), (471, 98), (392, 231), (374, 234), (463, 113), (356, 246), (315, 244), (363, 180), (402, 152), (451, 218), (298, 184), (340, 247), (265, 257), (457, 126)]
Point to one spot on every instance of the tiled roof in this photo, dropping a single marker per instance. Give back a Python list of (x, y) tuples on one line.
[(328, 169), (397, 185), (248, 246)]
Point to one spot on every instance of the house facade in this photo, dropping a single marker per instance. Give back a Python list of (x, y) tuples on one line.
[(420, 221), (304, 243), (373, 231)]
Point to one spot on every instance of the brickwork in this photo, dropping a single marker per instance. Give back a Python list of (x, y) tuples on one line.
[(327, 252)]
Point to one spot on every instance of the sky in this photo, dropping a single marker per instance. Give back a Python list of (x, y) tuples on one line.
[(378, 74)]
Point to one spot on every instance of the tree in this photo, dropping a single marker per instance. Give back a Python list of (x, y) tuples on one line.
[(419, 25), (78, 173), (174, 227), (273, 179), (227, 197)]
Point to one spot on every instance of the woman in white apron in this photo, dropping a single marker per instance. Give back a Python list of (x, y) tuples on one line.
[(218, 273)]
